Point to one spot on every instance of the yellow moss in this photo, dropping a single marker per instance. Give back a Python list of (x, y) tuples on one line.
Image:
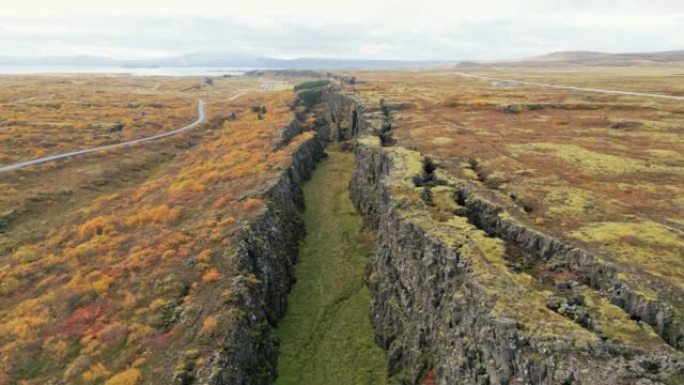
[(102, 285), (469, 173), (26, 254), (127, 377), (649, 245), (491, 249), (646, 231), (568, 201), (665, 154), (443, 198), (409, 162), (617, 325), (370, 141), (95, 373), (515, 294), (504, 215), (441, 140), (584, 160)]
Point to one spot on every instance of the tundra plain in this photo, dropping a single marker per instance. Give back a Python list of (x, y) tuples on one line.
[(171, 261)]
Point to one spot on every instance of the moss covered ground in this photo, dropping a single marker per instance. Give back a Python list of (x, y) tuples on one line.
[(326, 337)]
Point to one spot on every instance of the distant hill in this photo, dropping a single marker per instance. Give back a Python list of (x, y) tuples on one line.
[(588, 58), (600, 58)]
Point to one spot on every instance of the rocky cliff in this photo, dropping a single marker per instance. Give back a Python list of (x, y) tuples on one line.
[(268, 248), (345, 113), (264, 261), (464, 292), (447, 304)]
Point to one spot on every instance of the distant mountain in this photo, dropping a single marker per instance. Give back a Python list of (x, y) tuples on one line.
[(219, 60), (588, 58), (601, 58)]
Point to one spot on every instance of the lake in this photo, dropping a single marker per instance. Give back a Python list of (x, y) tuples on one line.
[(135, 71)]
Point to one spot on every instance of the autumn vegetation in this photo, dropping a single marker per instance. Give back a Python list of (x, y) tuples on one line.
[(112, 266), (110, 262)]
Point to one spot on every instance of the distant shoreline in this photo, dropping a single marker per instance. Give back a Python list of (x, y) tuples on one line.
[(133, 71)]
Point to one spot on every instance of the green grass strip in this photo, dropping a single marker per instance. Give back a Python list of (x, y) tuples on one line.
[(326, 336)]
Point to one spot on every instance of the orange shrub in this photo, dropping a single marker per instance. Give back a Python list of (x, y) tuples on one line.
[(162, 215), (208, 325), (222, 202), (99, 226), (211, 275), (252, 204), (204, 256)]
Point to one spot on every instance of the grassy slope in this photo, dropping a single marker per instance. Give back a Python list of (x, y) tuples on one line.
[(326, 336)]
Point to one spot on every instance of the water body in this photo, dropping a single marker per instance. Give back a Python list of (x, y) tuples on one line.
[(326, 337), (134, 71)]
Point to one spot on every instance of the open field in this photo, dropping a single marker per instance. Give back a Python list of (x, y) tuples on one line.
[(44, 115), (112, 264), (665, 80)]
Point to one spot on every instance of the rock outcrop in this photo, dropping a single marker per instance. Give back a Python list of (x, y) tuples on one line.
[(264, 261), (268, 248), (448, 302), (344, 112)]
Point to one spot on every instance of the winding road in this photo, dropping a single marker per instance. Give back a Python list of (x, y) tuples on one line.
[(571, 88), (202, 116)]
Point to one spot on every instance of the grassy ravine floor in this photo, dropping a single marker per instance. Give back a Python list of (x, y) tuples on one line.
[(326, 336)]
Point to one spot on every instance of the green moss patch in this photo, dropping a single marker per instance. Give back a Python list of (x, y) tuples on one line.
[(326, 336)]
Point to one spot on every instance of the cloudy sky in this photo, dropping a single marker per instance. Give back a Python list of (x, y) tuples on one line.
[(367, 29)]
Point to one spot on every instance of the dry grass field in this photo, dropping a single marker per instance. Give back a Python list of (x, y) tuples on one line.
[(44, 115), (100, 253)]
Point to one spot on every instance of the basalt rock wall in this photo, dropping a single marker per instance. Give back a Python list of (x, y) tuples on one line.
[(267, 252), (445, 307)]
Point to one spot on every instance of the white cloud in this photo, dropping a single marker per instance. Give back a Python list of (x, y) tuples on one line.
[(399, 29)]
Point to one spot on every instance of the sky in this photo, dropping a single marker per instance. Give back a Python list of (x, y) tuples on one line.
[(357, 29)]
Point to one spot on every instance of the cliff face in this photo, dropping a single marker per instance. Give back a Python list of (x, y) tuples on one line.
[(345, 113), (445, 302), (597, 274), (269, 246), (264, 263)]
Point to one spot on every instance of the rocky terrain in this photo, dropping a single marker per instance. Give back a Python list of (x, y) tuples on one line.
[(466, 290), (508, 245)]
